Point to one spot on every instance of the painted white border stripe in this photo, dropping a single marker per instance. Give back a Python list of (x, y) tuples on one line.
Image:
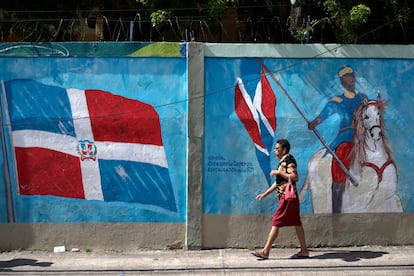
[(248, 101), (138, 153), (90, 169), (257, 103), (80, 114), (43, 139), (106, 150), (253, 110)]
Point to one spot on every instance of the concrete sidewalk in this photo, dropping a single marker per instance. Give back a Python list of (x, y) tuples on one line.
[(370, 260)]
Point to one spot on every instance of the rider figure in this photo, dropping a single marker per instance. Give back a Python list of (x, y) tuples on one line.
[(345, 106)]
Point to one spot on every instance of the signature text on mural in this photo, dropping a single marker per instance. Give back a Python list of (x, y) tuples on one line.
[(222, 165)]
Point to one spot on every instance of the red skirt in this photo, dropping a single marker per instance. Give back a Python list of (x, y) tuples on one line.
[(287, 213)]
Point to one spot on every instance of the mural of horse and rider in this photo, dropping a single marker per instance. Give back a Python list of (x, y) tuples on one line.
[(362, 172), (369, 162), (345, 157)]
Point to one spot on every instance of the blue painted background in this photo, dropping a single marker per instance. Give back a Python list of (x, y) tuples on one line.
[(311, 83)]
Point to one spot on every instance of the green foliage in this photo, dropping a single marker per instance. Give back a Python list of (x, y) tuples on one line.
[(144, 2), (346, 21), (216, 8), (162, 10), (305, 32), (399, 9), (158, 18), (359, 14), (332, 7), (351, 21)]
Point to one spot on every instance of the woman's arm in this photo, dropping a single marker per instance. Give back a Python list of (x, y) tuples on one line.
[(268, 191), (293, 175)]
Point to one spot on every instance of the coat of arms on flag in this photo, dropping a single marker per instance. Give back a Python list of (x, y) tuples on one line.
[(86, 144), (258, 117)]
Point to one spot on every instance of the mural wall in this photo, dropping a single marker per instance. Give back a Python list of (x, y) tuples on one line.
[(92, 139), (347, 120), (95, 133)]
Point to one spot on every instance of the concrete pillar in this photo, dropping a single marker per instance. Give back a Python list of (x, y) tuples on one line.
[(195, 55)]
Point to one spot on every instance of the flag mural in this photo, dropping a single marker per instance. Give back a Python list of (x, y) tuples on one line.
[(258, 117), (87, 144)]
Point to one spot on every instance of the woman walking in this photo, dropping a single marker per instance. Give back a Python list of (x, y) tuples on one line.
[(288, 212)]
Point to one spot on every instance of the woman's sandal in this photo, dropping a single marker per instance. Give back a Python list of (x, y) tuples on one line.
[(259, 255), (298, 256)]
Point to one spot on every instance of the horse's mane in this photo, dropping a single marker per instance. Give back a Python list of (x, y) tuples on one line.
[(360, 131)]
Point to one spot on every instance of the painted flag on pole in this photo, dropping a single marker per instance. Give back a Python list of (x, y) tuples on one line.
[(87, 144), (258, 117)]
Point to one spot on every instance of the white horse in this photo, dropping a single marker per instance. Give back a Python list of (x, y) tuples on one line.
[(372, 166)]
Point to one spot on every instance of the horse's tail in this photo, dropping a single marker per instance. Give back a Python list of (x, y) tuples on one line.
[(313, 163), (318, 182)]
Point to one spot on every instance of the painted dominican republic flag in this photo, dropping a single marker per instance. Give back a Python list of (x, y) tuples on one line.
[(258, 117), (87, 144)]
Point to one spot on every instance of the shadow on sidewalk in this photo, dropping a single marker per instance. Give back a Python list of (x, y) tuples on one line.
[(22, 262), (350, 256)]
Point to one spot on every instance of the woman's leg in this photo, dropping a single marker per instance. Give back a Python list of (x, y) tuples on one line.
[(270, 240), (300, 232)]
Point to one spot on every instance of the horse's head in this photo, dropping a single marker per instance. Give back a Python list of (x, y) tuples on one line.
[(368, 119), (372, 120), (369, 123)]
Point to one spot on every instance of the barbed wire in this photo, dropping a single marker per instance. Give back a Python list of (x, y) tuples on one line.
[(247, 24), (261, 29), (275, 5)]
